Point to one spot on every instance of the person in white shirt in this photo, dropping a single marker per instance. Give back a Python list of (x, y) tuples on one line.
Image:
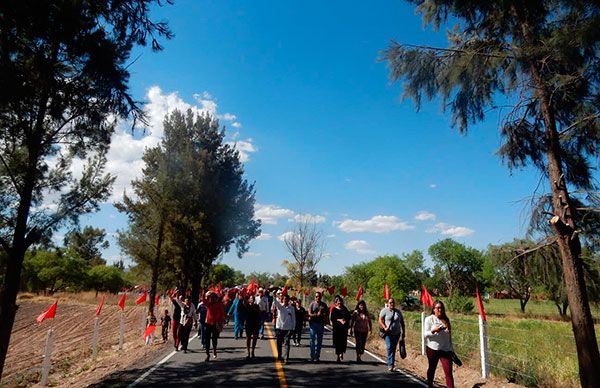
[(284, 325), (438, 343), (188, 319)]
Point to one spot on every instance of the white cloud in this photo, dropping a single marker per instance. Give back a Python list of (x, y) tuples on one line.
[(433, 185), (286, 236), (377, 224), (236, 124), (425, 216), (270, 214), (330, 236), (359, 246), (451, 230), (300, 218), (264, 236), (252, 254), (229, 117), (244, 147)]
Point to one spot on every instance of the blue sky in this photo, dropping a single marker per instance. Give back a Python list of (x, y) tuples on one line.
[(322, 130)]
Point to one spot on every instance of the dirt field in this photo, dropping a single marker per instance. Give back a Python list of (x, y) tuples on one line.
[(72, 363)]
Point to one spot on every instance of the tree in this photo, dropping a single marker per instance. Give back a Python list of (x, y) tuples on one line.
[(227, 276), (63, 73), (516, 266), (88, 244), (213, 205), (460, 263), (543, 57), (105, 278), (306, 245)]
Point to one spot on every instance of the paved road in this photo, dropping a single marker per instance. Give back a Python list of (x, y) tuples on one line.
[(232, 369)]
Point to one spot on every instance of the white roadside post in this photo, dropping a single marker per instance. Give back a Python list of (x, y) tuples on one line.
[(47, 353), (422, 333), (95, 337), (483, 348), (121, 330)]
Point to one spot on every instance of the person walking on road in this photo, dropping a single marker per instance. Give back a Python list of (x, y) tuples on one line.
[(438, 343), (262, 301), (215, 319), (188, 318), (360, 326), (284, 325), (300, 319), (253, 321), (340, 321), (202, 322), (238, 311), (317, 316), (165, 324), (391, 322), (176, 318)]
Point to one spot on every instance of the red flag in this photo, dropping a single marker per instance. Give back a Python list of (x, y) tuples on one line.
[(331, 290), (149, 330), (284, 291), (122, 301), (99, 308), (251, 287), (50, 313), (386, 292), (480, 304), (426, 298), (157, 300), (307, 292), (142, 298), (359, 294), (344, 292)]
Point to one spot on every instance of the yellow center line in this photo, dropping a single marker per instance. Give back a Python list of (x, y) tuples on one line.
[(280, 373)]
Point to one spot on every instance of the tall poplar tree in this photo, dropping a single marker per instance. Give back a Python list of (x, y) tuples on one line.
[(541, 56), (63, 73)]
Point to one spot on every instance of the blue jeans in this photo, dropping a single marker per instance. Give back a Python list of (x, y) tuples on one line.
[(201, 331), (316, 340), (238, 327), (263, 318), (391, 343)]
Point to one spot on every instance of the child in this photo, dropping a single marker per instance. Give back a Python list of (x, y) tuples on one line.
[(165, 322)]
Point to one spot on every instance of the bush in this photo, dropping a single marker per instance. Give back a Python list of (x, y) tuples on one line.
[(460, 304)]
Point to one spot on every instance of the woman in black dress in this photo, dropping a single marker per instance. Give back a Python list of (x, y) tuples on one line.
[(340, 320), (252, 324)]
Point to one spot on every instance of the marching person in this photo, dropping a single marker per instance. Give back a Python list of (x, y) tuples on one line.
[(253, 321), (340, 321), (165, 323), (238, 311), (360, 326), (176, 317), (300, 319), (284, 325), (215, 319), (438, 343), (202, 322), (391, 322), (188, 318), (317, 316), (262, 301)]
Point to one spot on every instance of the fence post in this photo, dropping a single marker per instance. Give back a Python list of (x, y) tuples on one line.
[(95, 337), (121, 330), (422, 333), (483, 348), (47, 353)]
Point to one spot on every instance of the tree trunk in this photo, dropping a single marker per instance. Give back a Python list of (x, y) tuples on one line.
[(156, 265), (569, 246)]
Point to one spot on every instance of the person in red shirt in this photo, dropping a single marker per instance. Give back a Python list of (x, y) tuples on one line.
[(215, 318)]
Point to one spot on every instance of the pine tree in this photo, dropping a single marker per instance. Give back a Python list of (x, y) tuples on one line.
[(542, 56)]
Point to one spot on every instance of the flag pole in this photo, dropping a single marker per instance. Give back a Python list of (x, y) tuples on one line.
[(95, 337), (483, 348), (47, 362), (121, 330)]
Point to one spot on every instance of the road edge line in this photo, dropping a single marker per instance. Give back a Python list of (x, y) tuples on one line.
[(155, 367), (278, 366)]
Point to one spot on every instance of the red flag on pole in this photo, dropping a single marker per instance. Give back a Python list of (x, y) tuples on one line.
[(122, 301), (359, 294), (157, 300), (480, 305), (386, 292), (426, 298), (50, 313), (149, 330), (307, 292), (142, 298), (284, 291), (99, 308), (344, 292), (331, 290)]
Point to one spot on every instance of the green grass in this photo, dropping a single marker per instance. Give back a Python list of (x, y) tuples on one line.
[(531, 352)]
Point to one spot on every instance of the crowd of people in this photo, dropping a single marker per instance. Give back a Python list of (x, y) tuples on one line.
[(250, 311)]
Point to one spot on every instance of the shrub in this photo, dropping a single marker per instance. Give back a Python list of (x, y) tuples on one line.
[(459, 304)]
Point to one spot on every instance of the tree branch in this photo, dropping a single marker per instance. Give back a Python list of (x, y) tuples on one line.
[(454, 50)]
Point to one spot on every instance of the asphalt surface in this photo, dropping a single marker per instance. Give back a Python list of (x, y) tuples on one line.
[(232, 369)]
